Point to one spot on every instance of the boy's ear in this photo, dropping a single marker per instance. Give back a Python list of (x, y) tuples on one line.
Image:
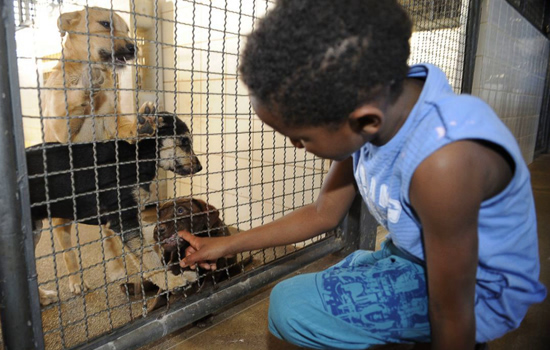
[(67, 20), (366, 118)]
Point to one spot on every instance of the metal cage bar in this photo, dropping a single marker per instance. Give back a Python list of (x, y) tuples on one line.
[(19, 306), (542, 144), (470, 46)]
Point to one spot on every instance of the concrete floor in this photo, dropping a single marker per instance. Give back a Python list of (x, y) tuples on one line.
[(244, 325)]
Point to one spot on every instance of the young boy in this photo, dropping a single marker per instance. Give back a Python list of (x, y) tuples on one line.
[(438, 170)]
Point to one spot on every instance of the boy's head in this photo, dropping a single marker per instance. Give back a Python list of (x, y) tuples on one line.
[(313, 62)]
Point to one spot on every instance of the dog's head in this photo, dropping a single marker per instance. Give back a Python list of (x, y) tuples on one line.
[(176, 146), (189, 214), (101, 31)]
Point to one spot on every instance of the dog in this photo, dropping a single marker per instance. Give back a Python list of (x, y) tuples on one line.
[(97, 45), (80, 87), (202, 219), (110, 191)]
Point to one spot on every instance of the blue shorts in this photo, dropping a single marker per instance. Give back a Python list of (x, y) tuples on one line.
[(367, 299)]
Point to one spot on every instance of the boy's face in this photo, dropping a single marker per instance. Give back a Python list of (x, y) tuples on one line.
[(329, 142)]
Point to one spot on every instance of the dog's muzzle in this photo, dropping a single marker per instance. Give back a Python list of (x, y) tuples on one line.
[(188, 170), (121, 56)]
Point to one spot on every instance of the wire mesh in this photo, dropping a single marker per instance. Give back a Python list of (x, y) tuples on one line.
[(186, 64)]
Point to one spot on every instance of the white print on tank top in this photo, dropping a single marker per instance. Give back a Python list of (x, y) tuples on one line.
[(386, 208)]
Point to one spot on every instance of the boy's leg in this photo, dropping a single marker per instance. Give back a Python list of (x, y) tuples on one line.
[(365, 300)]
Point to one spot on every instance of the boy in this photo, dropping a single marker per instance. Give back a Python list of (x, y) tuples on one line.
[(439, 171)]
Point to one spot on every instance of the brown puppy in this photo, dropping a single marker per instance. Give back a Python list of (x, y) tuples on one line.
[(202, 219), (196, 216), (79, 99)]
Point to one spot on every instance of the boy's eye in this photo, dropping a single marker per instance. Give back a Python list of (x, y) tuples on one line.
[(105, 24)]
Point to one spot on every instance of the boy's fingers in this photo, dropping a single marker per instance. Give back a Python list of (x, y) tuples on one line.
[(190, 250), (186, 235), (191, 257), (207, 266)]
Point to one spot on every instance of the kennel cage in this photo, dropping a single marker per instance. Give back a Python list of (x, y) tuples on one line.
[(187, 65)]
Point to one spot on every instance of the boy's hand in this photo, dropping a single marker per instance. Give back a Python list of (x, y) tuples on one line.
[(203, 251)]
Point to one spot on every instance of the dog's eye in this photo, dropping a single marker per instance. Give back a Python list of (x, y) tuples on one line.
[(105, 24), (180, 210), (185, 142)]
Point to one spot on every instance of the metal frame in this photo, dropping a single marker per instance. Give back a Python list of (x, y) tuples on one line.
[(470, 50), (543, 133), (19, 303), (520, 6)]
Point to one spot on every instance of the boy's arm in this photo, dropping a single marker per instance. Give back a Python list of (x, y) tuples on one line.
[(446, 193), (333, 202)]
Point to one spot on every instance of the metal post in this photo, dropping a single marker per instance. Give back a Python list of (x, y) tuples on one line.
[(358, 230), (19, 305), (542, 144), (470, 47)]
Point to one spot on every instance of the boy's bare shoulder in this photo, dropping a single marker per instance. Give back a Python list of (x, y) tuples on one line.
[(478, 167)]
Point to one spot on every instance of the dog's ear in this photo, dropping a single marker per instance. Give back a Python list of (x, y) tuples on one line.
[(67, 20), (213, 213)]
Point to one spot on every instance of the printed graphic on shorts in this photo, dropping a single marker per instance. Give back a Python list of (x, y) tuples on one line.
[(389, 298)]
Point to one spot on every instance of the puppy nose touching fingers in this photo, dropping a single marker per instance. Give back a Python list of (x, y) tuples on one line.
[(161, 229)]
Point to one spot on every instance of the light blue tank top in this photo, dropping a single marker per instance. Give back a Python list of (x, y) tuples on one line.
[(508, 269)]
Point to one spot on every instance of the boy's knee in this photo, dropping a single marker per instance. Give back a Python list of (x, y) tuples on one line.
[(280, 309), (288, 307)]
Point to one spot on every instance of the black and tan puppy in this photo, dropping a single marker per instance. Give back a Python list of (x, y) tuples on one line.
[(106, 183)]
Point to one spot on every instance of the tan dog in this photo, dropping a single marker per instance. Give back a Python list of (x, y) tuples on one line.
[(79, 103), (82, 84)]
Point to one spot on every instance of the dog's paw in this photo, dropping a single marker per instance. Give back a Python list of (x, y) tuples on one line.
[(75, 285), (190, 276), (92, 78), (47, 296), (147, 119), (98, 78)]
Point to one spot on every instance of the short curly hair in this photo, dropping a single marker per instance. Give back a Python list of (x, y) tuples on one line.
[(315, 61)]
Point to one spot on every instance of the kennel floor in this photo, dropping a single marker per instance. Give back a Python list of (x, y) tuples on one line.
[(243, 326)]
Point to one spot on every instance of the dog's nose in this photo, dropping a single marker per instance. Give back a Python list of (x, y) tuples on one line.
[(198, 167), (131, 48), (161, 229)]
